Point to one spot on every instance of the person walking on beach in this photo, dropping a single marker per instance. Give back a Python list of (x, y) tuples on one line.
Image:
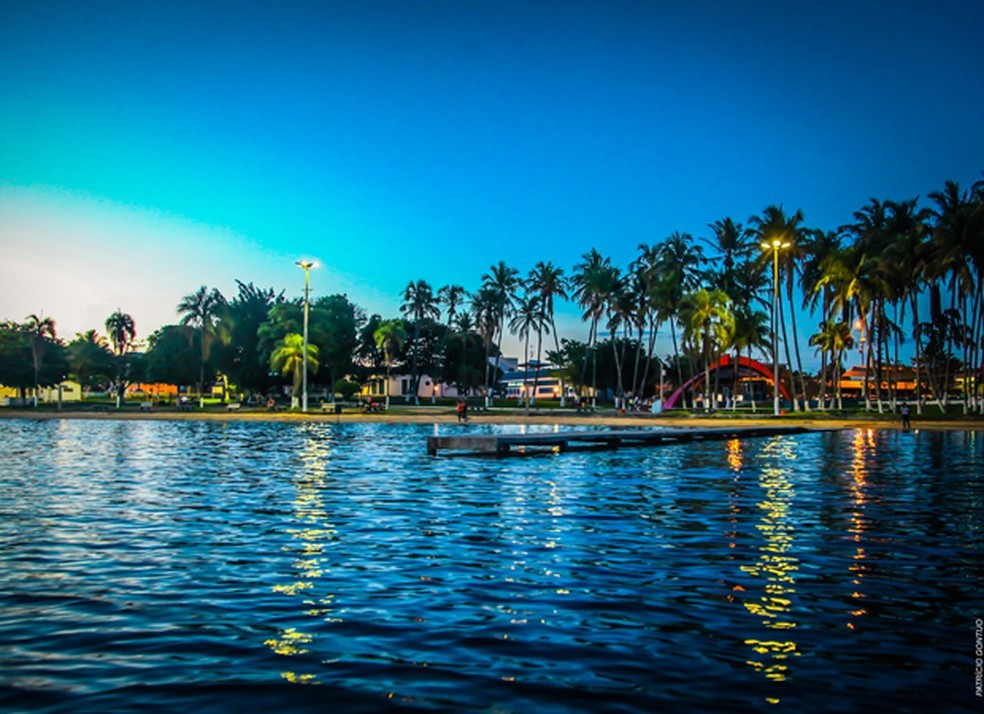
[(462, 410), (904, 411)]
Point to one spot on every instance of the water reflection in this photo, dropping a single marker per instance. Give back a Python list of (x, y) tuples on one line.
[(775, 566), (313, 531), (862, 452)]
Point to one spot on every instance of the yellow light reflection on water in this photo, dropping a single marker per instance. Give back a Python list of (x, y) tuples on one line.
[(776, 567), (863, 449), (314, 532)]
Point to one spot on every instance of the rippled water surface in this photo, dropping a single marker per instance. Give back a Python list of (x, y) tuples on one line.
[(167, 566)]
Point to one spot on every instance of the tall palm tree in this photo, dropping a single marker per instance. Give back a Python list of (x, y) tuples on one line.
[(484, 309), (734, 242), (548, 283), (41, 329), (591, 284), (452, 298), (957, 260), (679, 267), (288, 358), (200, 311), (708, 317), (419, 303), (502, 282), (122, 333), (834, 337), (774, 224), (527, 319), (751, 332), (390, 337)]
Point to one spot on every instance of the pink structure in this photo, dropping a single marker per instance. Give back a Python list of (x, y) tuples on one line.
[(746, 368)]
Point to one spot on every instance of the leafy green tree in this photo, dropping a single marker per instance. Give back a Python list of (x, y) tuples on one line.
[(90, 360), (334, 326), (16, 358), (171, 358), (200, 312), (463, 365), (241, 358)]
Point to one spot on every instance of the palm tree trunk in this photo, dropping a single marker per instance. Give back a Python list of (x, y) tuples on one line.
[(785, 345), (917, 337), (796, 347), (676, 357)]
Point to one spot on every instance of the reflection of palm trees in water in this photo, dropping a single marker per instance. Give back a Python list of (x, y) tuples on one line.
[(310, 566), (776, 567)]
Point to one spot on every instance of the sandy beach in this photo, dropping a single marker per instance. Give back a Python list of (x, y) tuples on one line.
[(445, 415)]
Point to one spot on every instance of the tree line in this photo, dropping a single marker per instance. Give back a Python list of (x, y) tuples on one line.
[(898, 271)]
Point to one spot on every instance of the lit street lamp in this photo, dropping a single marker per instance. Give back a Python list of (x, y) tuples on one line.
[(306, 265), (774, 245)]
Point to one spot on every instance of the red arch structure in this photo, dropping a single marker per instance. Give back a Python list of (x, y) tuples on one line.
[(746, 368)]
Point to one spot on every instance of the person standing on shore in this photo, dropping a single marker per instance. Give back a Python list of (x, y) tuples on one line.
[(904, 411)]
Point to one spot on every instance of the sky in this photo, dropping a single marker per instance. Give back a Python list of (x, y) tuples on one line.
[(149, 148)]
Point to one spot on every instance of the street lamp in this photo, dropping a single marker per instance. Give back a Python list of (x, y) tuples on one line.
[(774, 245), (306, 265)]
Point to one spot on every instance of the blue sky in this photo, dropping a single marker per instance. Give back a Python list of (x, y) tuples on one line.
[(148, 148)]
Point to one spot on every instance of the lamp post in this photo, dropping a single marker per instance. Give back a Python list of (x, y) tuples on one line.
[(774, 245), (306, 265), (864, 364)]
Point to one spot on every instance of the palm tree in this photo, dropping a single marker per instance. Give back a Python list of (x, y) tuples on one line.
[(834, 337), (41, 329), (200, 311), (419, 302), (484, 309), (708, 316), (390, 337), (502, 282), (452, 297), (122, 334), (734, 242), (526, 319), (548, 283), (288, 358), (751, 332), (957, 257), (591, 284), (678, 272), (774, 225)]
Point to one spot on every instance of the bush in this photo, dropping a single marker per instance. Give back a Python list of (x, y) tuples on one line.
[(345, 389)]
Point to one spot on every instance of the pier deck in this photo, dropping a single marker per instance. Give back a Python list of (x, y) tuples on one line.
[(595, 439)]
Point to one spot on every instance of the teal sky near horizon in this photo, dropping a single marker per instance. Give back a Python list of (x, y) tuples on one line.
[(149, 148)]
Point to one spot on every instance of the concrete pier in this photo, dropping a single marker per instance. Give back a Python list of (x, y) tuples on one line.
[(594, 439)]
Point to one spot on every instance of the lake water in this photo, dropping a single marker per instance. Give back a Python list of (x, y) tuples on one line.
[(214, 567)]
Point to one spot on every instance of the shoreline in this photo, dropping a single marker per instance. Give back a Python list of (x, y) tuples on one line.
[(431, 415)]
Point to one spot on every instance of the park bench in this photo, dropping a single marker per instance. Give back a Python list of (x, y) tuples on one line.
[(146, 406), (233, 406)]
